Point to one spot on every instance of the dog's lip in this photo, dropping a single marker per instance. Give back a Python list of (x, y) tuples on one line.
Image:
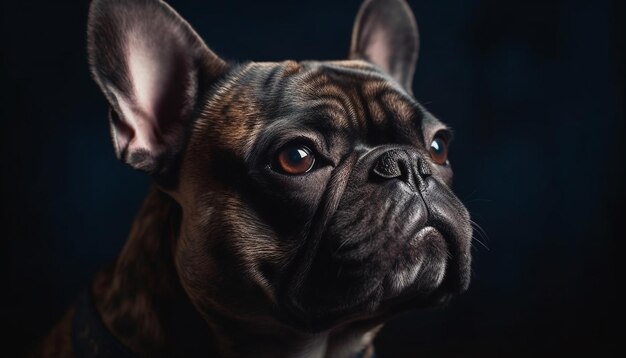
[(448, 284), (456, 275)]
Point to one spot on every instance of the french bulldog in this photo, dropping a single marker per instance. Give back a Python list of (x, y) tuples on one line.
[(296, 206)]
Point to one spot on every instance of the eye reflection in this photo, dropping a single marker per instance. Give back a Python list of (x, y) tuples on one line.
[(295, 160), (439, 150)]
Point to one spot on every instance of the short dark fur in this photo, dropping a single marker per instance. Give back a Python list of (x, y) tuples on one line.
[(312, 264)]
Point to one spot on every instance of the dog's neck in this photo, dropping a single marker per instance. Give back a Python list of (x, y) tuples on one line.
[(141, 302)]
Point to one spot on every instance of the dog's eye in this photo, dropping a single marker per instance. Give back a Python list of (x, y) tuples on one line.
[(439, 149), (295, 160)]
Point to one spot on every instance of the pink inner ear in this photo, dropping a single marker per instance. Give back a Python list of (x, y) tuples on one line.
[(148, 61), (149, 66), (160, 74), (378, 50), (147, 76)]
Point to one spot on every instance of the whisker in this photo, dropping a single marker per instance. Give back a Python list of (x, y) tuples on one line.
[(481, 232)]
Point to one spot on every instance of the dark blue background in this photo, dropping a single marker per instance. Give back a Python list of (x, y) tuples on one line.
[(534, 90)]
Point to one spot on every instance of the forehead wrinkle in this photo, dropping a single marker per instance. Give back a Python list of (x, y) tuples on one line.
[(401, 109), (366, 72), (340, 89), (332, 93), (229, 114), (358, 93)]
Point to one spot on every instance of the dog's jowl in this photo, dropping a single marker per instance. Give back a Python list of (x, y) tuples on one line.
[(296, 206)]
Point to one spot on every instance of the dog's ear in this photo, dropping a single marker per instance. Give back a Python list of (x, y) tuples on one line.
[(152, 67), (385, 34)]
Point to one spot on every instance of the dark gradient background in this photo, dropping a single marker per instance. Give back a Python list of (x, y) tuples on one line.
[(534, 90)]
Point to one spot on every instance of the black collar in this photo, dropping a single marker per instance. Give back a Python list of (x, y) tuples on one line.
[(90, 338)]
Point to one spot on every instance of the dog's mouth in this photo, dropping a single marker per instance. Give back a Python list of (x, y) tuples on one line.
[(430, 273), (426, 272), (421, 266)]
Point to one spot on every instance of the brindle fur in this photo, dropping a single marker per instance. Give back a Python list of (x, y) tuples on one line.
[(253, 262)]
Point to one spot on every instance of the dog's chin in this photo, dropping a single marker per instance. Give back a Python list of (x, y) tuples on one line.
[(423, 275), (421, 268)]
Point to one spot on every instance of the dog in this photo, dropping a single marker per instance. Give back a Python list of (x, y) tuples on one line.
[(296, 206)]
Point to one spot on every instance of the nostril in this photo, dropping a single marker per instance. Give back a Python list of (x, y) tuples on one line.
[(405, 165), (387, 165)]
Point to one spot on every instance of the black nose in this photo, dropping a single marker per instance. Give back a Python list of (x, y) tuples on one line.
[(406, 165)]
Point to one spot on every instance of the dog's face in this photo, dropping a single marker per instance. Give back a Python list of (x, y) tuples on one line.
[(312, 193)]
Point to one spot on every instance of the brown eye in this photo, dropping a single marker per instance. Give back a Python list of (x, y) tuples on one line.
[(439, 150), (295, 159)]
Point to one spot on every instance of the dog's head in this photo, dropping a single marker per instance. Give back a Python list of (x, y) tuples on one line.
[(312, 193)]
